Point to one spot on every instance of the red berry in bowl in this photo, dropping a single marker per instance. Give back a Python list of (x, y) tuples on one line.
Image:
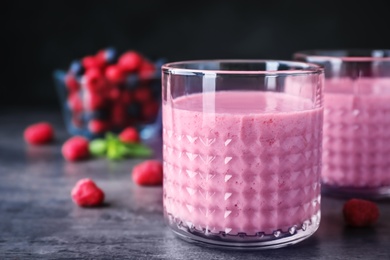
[(71, 83), (150, 109), (118, 115), (90, 62), (114, 93), (126, 97), (129, 135), (360, 212), (114, 74), (74, 102), (87, 194), (130, 61), (97, 126), (39, 133), (147, 70), (142, 94), (148, 173), (75, 148), (93, 80), (93, 75), (94, 101)]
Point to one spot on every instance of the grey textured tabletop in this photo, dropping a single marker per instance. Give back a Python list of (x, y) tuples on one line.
[(38, 219)]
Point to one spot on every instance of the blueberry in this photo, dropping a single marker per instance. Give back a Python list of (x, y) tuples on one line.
[(155, 86), (134, 110), (111, 55), (158, 65), (100, 114), (132, 81), (160, 62), (76, 68)]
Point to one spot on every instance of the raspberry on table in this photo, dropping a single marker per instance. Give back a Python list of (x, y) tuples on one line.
[(148, 173), (87, 194), (360, 212), (129, 135), (39, 133), (75, 148)]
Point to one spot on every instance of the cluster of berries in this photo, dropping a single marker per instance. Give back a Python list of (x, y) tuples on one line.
[(86, 193), (107, 92)]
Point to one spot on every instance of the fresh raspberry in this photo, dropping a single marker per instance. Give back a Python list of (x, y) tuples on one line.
[(74, 102), (148, 173), (118, 115), (129, 135), (94, 101), (93, 79), (114, 74), (143, 94), (90, 62), (39, 133), (130, 61), (71, 83), (114, 93), (146, 70), (126, 97), (99, 86), (87, 194), (93, 74), (97, 126), (360, 212), (75, 148), (150, 109), (100, 58)]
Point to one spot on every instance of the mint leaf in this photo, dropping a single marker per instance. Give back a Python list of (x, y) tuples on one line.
[(115, 148), (138, 150), (98, 147)]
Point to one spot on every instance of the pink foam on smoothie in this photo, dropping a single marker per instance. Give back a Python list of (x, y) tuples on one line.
[(357, 133), (249, 162)]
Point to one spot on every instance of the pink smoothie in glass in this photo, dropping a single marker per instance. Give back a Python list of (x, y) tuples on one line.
[(357, 133), (250, 162)]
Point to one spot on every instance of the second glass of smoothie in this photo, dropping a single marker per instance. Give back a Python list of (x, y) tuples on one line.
[(242, 151), (356, 143)]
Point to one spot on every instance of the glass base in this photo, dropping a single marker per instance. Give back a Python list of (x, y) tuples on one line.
[(242, 241), (354, 192)]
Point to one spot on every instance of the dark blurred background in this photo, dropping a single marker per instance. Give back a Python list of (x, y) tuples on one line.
[(41, 36)]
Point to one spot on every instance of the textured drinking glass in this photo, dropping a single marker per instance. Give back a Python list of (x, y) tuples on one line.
[(242, 151), (356, 142)]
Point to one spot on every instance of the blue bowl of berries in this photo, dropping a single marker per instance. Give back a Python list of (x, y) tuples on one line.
[(108, 91)]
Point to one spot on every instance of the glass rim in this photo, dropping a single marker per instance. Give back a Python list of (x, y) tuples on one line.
[(314, 55), (301, 68)]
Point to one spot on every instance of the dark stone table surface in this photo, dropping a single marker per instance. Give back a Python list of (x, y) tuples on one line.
[(38, 219)]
